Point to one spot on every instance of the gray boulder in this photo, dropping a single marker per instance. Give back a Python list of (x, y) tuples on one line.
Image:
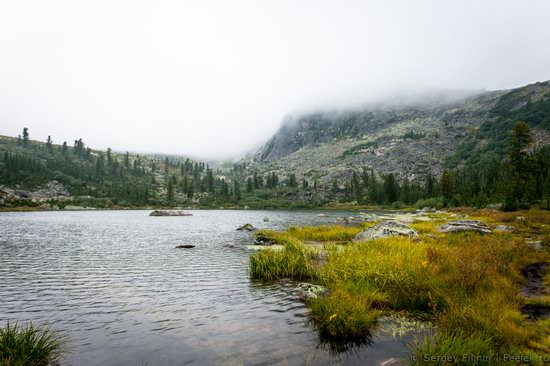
[(506, 229), (310, 291), (385, 229), (461, 226)]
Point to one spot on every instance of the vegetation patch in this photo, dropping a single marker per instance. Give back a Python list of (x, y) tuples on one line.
[(467, 285), (29, 346)]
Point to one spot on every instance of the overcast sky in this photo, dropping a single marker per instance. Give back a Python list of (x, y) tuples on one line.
[(215, 78)]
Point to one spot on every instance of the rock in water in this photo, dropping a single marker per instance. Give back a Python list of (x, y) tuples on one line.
[(266, 219), (385, 229), (247, 227), (310, 291), (185, 246), (460, 226), (391, 362), (170, 213)]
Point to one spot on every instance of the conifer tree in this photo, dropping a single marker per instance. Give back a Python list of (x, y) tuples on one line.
[(519, 166), (447, 187), (25, 140), (49, 144)]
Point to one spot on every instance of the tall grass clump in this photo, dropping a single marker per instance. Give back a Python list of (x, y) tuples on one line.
[(456, 349), (293, 261), (324, 233), (345, 316), (29, 346), (392, 266)]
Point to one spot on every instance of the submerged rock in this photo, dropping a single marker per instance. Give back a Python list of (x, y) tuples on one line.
[(310, 291), (247, 227), (266, 219), (170, 213), (185, 246), (385, 229), (460, 226), (390, 362), (506, 229)]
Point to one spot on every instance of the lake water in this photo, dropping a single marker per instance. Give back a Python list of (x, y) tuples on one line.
[(115, 286)]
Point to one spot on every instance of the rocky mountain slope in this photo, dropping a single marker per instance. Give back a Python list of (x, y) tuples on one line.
[(410, 140)]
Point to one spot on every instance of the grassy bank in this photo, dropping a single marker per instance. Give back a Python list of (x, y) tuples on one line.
[(29, 345), (467, 285)]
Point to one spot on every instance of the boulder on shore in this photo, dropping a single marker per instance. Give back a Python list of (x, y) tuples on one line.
[(460, 226), (310, 291), (170, 213), (385, 229), (185, 246), (506, 229), (247, 227), (261, 239)]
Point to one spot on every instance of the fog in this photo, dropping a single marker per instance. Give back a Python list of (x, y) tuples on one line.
[(215, 78)]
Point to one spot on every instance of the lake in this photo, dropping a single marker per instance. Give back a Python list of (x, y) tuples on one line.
[(115, 286)]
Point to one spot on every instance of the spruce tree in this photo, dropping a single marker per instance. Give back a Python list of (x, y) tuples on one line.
[(25, 140), (49, 144), (520, 171), (447, 187)]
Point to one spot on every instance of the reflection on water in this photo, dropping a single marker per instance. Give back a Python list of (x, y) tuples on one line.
[(113, 282)]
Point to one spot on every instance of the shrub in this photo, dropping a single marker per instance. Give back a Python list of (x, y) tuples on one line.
[(429, 202)]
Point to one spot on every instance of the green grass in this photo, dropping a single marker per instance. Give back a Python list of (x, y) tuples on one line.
[(345, 316), (29, 346), (442, 349), (467, 285), (293, 261)]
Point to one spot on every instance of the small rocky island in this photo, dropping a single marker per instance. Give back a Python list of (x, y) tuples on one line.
[(170, 213)]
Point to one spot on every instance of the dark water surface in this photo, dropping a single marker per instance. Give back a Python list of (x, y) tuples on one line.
[(114, 284)]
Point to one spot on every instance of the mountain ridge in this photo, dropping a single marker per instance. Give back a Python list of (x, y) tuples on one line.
[(408, 140)]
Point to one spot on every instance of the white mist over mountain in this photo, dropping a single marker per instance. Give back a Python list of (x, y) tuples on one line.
[(214, 78)]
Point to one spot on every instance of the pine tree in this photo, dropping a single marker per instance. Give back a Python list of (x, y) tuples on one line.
[(249, 185), (447, 187), (519, 167), (292, 181), (109, 157), (391, 189), (127, 160), (237, 190), (25, 140), (169, 189), (49, 144)]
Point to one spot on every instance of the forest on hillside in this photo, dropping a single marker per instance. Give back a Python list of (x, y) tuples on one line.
[(106, 179)]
